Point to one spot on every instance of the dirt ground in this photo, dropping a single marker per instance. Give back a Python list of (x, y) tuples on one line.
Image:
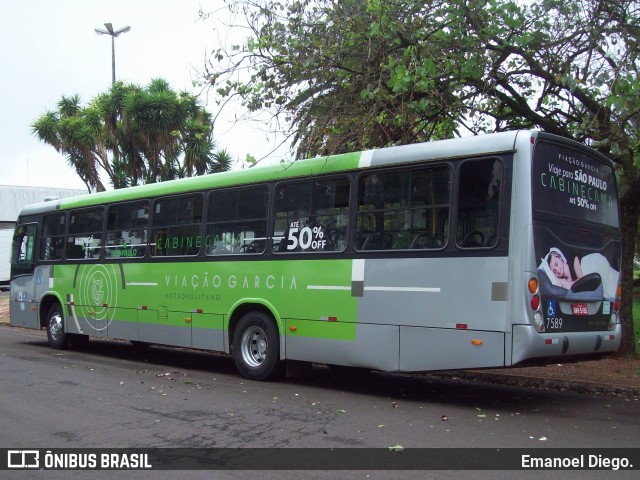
[(614, 370), (607, 371), (4, 308)]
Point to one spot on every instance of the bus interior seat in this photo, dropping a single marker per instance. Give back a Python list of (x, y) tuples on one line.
[(424, 241), (377, 241)]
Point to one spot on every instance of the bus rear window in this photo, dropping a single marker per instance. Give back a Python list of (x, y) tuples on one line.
[(571, 183)]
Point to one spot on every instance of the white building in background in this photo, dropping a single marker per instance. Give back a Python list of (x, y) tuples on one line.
[(12, 199)]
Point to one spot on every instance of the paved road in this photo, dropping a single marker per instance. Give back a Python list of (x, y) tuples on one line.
[(111, 395)]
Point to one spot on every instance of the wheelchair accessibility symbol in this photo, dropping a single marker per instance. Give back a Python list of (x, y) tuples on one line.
[(552, 308)]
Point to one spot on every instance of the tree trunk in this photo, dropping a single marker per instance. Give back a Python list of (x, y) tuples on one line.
[(629, 214)]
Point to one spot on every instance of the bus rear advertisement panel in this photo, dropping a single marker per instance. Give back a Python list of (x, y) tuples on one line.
[(576, 238)]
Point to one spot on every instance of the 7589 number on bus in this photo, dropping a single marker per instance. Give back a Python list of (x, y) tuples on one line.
[(553, 323)]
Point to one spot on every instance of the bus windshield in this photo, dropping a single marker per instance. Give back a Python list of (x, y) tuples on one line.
[(568, 182)]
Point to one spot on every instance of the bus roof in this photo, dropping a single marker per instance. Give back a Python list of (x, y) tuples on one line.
[(437, 150)]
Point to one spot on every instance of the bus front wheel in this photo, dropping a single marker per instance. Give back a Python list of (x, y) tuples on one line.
[(55, 328), (256, 347)]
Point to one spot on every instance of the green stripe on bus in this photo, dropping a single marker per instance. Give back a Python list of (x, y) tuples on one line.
[(300, 168)]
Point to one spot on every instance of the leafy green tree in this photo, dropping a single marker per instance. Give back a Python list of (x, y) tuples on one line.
[(352, 74), (134, 135)]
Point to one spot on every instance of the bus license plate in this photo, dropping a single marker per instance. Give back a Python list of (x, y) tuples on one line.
[(580, 309)]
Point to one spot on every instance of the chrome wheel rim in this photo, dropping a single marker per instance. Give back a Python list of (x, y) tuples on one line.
[(55, 327), (254, 346)]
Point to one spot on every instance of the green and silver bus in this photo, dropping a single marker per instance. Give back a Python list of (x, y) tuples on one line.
[(467, 253)]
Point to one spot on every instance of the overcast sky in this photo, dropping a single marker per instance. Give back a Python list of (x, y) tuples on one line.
[(49, 49)]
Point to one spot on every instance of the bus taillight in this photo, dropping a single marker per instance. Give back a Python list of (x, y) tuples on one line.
[(534, 302), (538, 321), (616, 306), (533, 290)]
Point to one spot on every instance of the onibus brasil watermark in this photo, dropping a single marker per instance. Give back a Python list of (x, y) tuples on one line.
[(34, 459)]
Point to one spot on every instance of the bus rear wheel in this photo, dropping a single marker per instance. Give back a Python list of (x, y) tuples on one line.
[(256, 347), (55, 328)]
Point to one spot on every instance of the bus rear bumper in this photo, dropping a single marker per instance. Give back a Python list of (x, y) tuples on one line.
[(529, 343)]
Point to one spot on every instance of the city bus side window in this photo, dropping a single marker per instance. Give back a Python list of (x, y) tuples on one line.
[(84, 239), (291, 214), (480, 187), (53, 231), (403, 210), (429, 208), (330, 214), (311, 216), (237, 221), (22, 255), (177, 226), (127, 230)]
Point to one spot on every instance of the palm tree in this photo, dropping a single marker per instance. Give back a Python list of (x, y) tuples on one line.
[(134, 135), (221, 161), (152, 120), (73, 132)]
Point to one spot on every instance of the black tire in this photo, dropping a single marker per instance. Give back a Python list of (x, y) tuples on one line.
[(256, 347), (55, 328)]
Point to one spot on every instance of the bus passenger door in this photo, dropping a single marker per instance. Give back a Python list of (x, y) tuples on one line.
[(23, 308)]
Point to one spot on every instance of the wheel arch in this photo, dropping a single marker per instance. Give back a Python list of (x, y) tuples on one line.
[(48, 299), (241, 308)]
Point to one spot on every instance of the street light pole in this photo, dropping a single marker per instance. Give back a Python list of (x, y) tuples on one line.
[(113, 33)]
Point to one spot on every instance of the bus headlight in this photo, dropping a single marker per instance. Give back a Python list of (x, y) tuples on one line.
[(538, 321), (612, 321)]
